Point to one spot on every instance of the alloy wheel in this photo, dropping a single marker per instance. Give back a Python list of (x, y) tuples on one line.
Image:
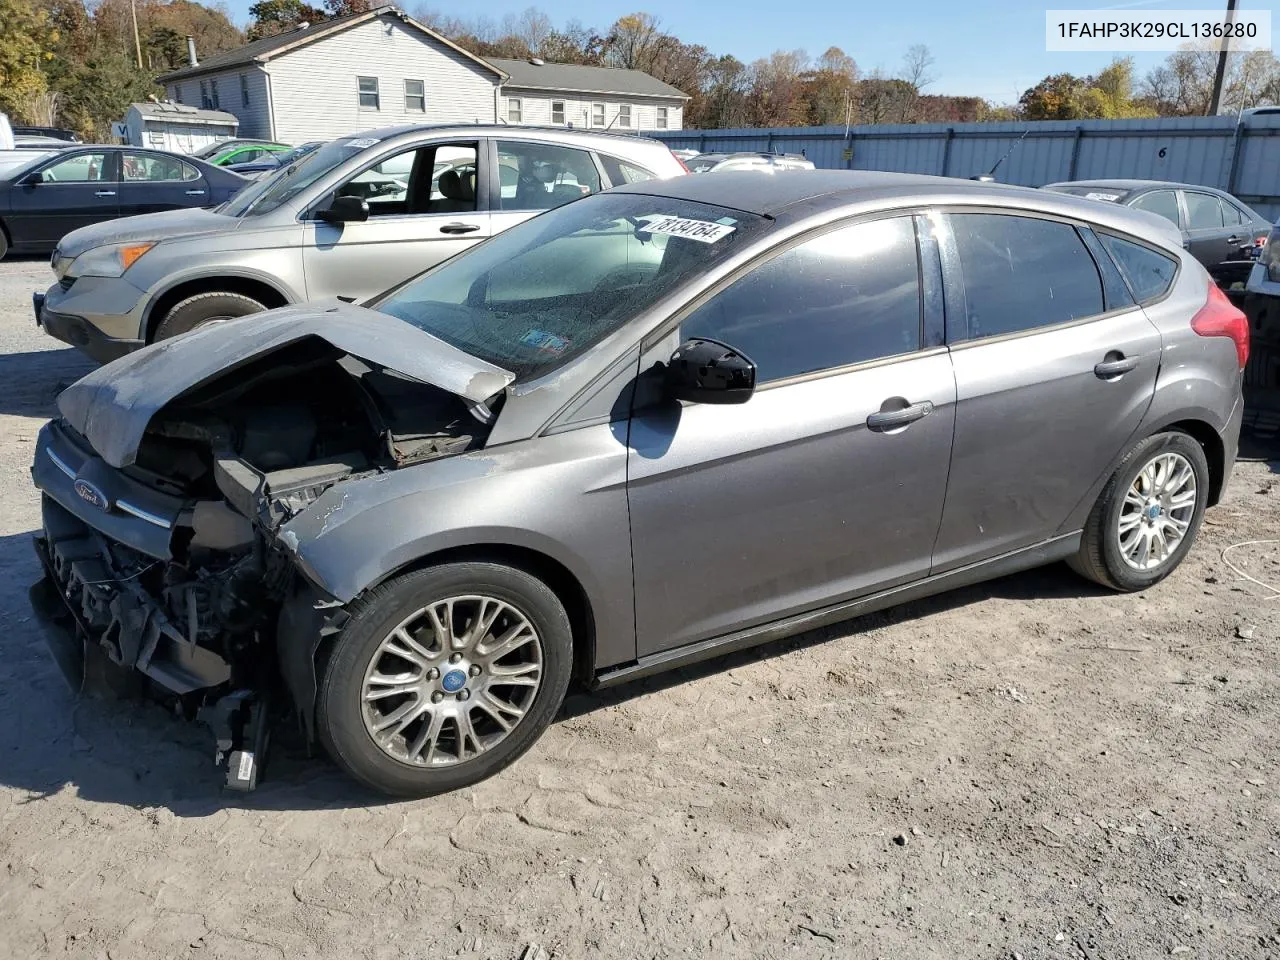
[(452, 680), (1157, 511)]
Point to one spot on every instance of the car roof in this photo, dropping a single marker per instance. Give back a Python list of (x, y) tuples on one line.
[(800, 194)]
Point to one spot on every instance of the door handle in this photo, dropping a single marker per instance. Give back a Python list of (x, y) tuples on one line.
[(195, 193), (1111, 369), (1234, 239), (890, 419), (104, 193), (460, 228)]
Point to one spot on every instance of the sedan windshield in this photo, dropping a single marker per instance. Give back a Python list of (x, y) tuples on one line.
[(282, 185), (539, 294)]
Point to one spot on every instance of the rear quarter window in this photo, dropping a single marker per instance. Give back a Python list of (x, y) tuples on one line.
[(1149, 273)]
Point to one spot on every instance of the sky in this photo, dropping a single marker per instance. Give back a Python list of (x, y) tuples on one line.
[(988, 48)]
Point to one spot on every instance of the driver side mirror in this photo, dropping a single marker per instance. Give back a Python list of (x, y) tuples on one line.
[(708, 371), (345, 209), (31, 179)]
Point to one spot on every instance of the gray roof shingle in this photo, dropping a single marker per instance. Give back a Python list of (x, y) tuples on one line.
[(268, 47), (577, 78), (181, 112)]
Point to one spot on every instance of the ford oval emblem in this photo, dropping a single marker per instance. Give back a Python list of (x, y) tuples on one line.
[(87, 492)]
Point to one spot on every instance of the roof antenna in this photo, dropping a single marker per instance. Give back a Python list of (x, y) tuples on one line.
[(990, 175)]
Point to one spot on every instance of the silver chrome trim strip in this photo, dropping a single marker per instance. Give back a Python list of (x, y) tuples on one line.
[(141, 514), (60, 463), (124, 505)]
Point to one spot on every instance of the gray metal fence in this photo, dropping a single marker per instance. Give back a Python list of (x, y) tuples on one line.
[(1242, 158)]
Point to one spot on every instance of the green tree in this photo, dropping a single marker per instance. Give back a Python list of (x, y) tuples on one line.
[(1056, 97), (27, 39)]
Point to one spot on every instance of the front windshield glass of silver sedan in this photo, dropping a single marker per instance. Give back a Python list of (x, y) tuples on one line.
[(539, 294), (282, 185)]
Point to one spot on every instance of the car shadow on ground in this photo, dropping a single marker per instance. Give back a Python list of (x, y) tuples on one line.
[(32, 381), (135, 753)]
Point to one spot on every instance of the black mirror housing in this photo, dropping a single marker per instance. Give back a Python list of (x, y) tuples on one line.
[(345, 209), (708, 371)]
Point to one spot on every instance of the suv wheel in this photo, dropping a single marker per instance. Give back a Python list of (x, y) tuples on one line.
[(1148, 514), (190, 313), (444, 676)]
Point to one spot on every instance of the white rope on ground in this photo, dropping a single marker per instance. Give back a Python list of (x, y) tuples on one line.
[(1275, 591)]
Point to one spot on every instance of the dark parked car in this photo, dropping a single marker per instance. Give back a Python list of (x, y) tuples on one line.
[(44, 200), (57, 133), (650, 426), (272, 161), (1216, 227), (218, 146)]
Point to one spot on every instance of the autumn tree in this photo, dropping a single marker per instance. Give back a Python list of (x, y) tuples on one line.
[(27, 41), (831, 88)]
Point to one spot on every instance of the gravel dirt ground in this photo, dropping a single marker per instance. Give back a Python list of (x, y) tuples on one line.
[(1028, 768)]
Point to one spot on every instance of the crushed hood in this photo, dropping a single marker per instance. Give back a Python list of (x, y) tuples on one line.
[(112, 406), (168, 225)]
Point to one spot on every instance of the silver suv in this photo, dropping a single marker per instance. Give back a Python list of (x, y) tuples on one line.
[(641, 430), (349, 220)]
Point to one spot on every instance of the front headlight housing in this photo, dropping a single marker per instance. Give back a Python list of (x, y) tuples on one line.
[(111, 260)]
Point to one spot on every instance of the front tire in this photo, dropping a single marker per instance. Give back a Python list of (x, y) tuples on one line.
[(1147, 516), (186, 315), (444, 676)]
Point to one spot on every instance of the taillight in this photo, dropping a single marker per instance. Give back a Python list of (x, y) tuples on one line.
[(1220, 318), (679, 161)]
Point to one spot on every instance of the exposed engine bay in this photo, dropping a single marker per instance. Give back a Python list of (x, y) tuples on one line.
[(167, 575)]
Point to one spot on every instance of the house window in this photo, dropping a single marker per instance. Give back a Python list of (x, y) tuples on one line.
[(515, 109), (213, 93), (244, 90), (368, 87), (557, 111), (662, 118), (415, 96), (597, 114), (624, 115), (177, 93), (205, 102)]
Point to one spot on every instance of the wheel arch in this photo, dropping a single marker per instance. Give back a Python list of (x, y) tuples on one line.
[(309, 627), (1199, 429), (265, 292)]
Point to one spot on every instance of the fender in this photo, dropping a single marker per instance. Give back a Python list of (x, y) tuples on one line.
[(287, 293)]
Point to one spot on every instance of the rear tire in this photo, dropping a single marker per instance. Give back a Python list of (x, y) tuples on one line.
[(186, 315), (413, 705), (1128, 542), (4, 242)]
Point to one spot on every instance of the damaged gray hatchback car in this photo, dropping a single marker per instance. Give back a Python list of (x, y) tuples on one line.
[(643, 429)]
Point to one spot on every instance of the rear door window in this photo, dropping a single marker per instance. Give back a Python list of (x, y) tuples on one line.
[(539, 176), (1161, 202), (1021, 273), (1204, 212), (844, 297), (1150, 274)]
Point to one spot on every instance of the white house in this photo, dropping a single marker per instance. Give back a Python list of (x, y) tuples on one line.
[(176, 126), (382, 68)]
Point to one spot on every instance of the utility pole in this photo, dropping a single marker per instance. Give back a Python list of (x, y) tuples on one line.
[(137, 43), (1215, 102)]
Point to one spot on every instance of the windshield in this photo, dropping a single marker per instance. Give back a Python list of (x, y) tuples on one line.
[(539, 294), (704, 162), (282, 185)]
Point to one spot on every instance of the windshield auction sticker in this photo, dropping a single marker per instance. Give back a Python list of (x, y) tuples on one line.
[(703, 231)]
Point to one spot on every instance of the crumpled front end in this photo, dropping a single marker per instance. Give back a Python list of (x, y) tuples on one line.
[(170, 575)]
